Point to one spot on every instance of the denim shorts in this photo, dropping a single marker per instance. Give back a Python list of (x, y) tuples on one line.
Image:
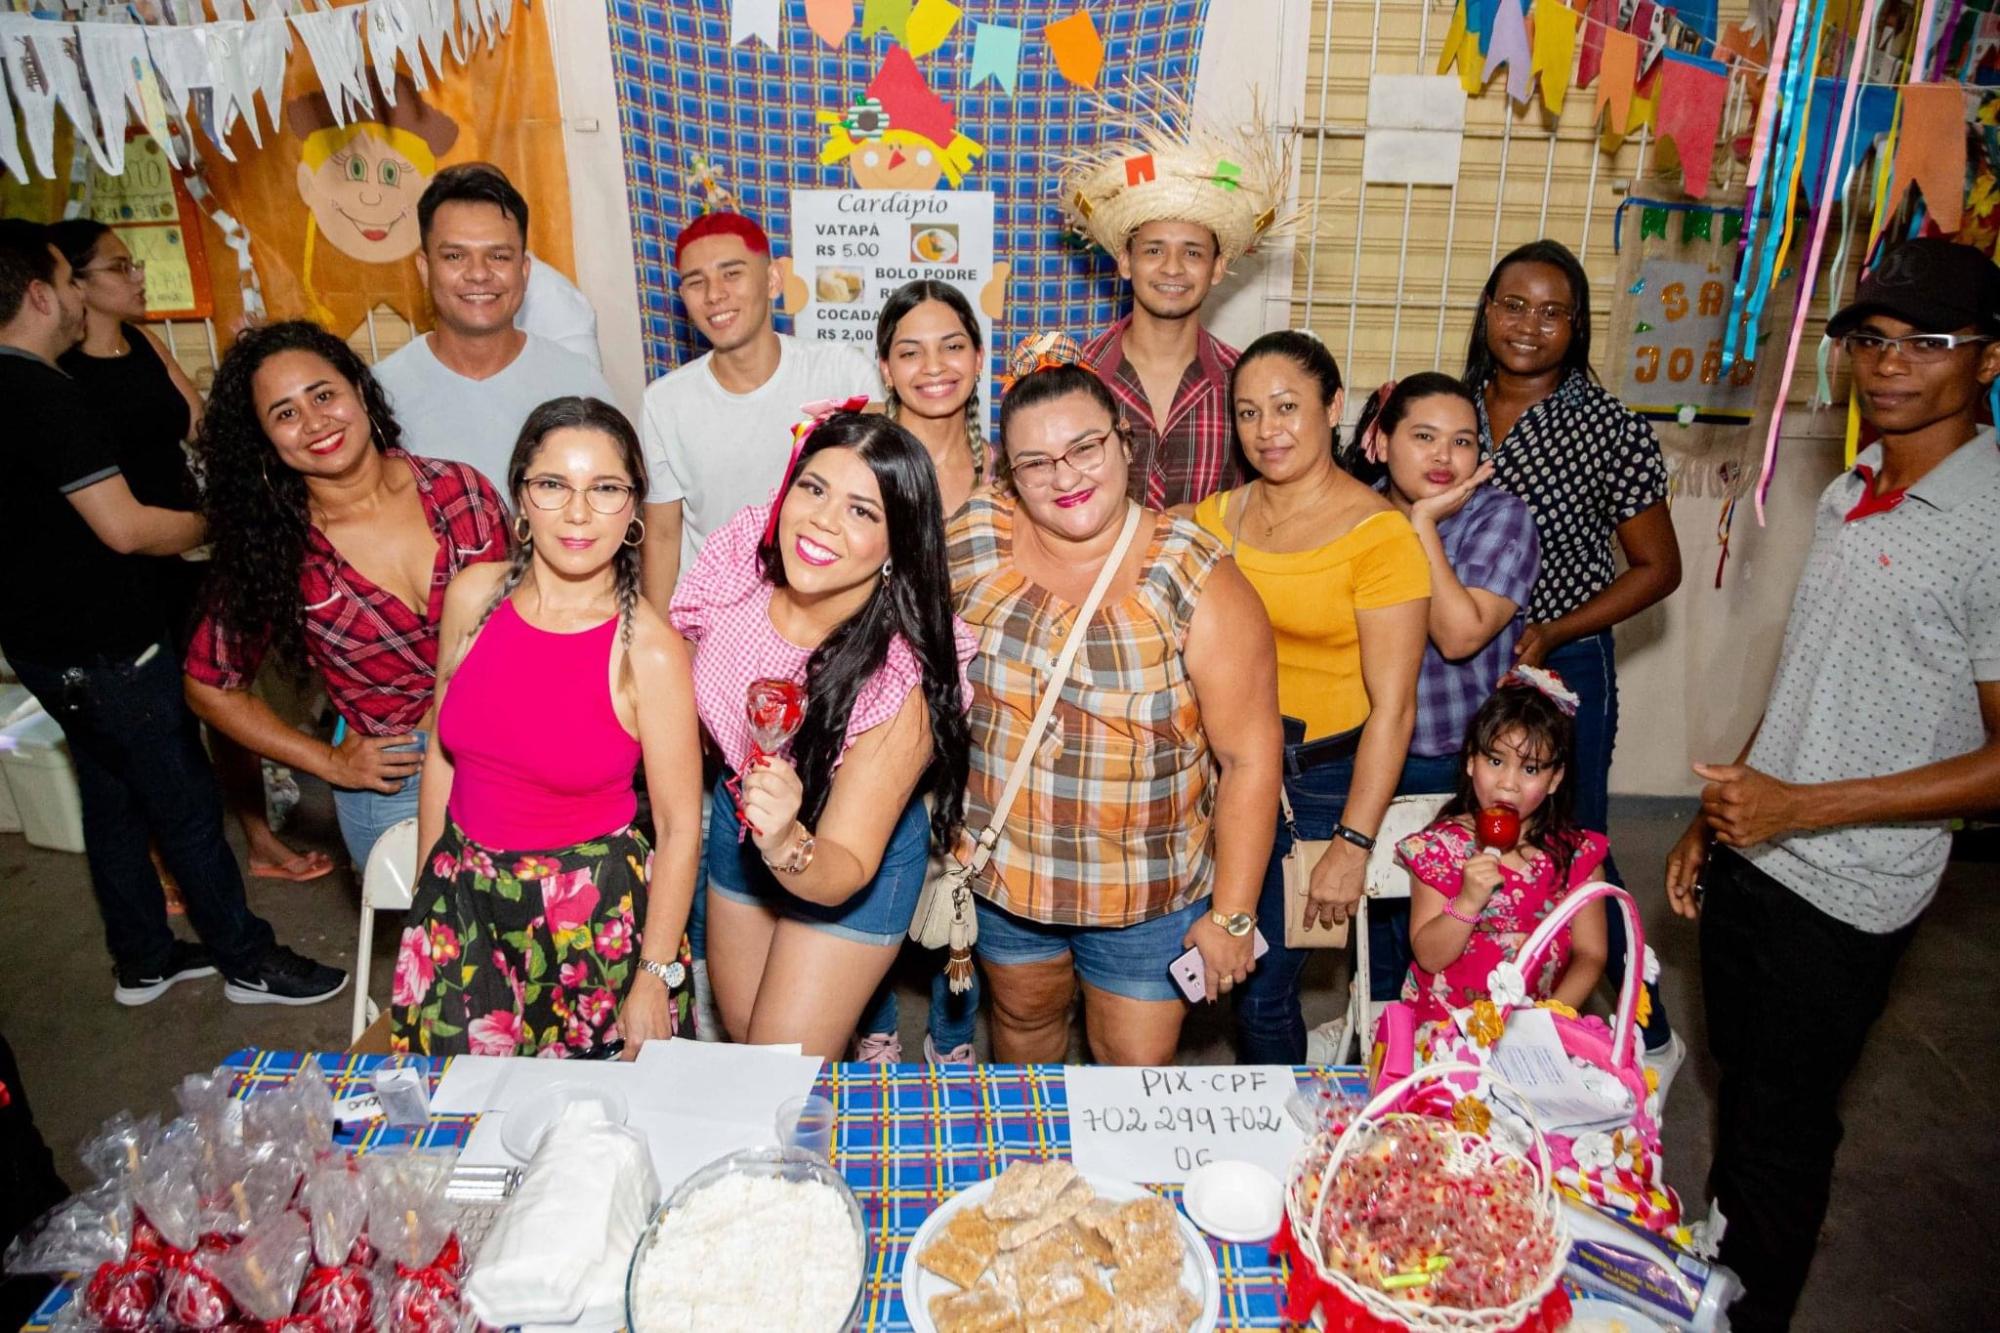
[(878, 913), (1130, 960)]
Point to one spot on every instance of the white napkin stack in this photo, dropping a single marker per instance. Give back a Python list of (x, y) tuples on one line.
[(562, 1247)]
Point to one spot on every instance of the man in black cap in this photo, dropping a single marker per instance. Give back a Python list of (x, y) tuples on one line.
[(1818, 849)]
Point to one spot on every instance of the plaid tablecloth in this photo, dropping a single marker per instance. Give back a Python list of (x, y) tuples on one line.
[(908, 1138)]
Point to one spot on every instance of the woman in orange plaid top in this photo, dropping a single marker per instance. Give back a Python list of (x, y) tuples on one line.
[(1147, 816)]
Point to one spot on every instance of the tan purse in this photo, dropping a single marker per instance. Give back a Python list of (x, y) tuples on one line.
[(1299, 863), (945, 916)]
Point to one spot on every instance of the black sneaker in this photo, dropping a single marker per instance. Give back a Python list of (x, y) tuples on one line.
[(143, 985), (285, 977)]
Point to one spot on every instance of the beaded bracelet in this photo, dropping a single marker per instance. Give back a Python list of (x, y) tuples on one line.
[(1451, 910)]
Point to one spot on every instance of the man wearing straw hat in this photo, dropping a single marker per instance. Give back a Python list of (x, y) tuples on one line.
[(1176, 203)]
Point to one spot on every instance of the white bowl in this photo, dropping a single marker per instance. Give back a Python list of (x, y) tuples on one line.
[(1239, 1202)]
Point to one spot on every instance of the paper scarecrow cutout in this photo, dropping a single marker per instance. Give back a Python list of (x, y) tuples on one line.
[(901, 135)]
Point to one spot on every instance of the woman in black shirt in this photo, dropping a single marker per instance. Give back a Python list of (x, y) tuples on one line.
[(152, 407)]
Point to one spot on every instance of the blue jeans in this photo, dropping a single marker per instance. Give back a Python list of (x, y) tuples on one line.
[(1270, 1026), (366, 815), (1589, 666), (1389, 954), (1130, 961), (142, 777), (951, 1015)]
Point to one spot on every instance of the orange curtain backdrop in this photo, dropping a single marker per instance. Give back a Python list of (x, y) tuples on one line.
[(500, 106)]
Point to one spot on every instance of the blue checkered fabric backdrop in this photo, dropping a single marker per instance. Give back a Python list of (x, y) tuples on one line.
[(685, 92)]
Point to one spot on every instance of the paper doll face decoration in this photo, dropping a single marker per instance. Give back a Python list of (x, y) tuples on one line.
[(900, 135), (362, 181), (1156, 164)]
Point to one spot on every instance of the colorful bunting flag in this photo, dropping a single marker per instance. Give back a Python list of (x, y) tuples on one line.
[(1508, 45), (1554, 50), (1874, 113), (830, 20), (1692, 91), (996, 54), (1602, 18), (754, 18), (1652, 222), (1461, 48), (1930, 152), (930, 24), (890, 16), (1078, 50), (1614, 84), (1697, 224)]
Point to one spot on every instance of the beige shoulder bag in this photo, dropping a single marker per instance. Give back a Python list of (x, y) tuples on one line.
[(945, 916)]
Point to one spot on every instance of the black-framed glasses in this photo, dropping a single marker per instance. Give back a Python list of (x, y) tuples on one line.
[(1917, 348), (1549, 314), (1083, 456), (553, 493), (124, 268)]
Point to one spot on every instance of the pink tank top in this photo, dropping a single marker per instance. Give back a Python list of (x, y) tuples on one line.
[(540, 761)]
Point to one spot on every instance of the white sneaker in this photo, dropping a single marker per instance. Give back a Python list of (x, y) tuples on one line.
[(707, 1019), (1327, 1043), (957, 1055), (1666, 1062), (879, 1048)]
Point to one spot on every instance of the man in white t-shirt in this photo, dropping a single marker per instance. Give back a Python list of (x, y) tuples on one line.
[(462, 390), (718, 430)]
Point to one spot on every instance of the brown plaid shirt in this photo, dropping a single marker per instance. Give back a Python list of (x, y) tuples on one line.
[(1192, 454), (1113, 825)]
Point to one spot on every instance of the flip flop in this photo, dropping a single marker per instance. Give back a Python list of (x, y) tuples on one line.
[(304, 867)]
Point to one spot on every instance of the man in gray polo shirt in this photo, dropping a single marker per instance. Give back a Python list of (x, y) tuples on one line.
[(1883, 725)]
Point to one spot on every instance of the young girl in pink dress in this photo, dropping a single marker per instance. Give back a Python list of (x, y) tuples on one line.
[(1472, 907)]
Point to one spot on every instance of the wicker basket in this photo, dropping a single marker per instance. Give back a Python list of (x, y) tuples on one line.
[(1542, 1306)]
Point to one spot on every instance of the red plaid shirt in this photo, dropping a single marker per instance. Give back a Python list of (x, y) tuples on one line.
[(378, 657), (1192, 454)]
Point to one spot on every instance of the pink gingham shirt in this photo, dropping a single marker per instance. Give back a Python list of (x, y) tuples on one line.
[(723, 604)]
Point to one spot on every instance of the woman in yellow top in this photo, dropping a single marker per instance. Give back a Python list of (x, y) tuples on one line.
[(1344, 580)]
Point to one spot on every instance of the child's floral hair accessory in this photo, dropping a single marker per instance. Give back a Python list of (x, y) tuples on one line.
[(1548, 682)]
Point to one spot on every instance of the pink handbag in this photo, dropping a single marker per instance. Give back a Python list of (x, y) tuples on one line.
[(1616, 1169)]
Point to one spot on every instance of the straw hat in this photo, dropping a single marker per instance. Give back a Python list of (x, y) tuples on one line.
[(1160, 165)]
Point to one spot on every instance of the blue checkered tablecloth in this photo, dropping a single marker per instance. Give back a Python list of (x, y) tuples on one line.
[(908, 1137)]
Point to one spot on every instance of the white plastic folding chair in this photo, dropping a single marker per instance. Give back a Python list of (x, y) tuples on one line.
[(1386, 878), (386, 885)]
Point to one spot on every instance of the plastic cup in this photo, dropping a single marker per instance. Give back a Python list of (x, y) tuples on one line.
[(806, 1123)]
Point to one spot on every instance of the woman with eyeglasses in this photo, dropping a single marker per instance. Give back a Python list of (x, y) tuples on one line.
[(152, 409), (546, 920), (332, 549), (1344, 579), (1145, 817), (1590, 471)]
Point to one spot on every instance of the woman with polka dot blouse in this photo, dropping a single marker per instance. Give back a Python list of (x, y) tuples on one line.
[(1590, 472)]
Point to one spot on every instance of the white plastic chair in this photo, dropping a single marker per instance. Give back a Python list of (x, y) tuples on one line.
[(386, 885), (1386, 878)]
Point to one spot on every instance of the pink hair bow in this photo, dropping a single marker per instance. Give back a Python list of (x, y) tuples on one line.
[(815, 414)]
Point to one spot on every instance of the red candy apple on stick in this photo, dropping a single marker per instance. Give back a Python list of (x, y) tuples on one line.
[(774, 708), (1498, 828)]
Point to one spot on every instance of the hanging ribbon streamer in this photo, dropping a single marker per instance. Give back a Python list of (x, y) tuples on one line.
[(1807, 274)]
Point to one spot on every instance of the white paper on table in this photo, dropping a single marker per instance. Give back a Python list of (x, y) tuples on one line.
[(1155, 1125), (721, 1081), (1530, 1056), (467, 1085)]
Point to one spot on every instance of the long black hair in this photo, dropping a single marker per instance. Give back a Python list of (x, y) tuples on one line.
[(77, 238), (575, 413), (255, 505), (913, 600), (1549, 734), (1386, 412), (900, 303), (1479, 357)]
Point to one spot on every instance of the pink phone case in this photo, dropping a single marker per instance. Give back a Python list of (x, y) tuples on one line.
[(1186, 970)]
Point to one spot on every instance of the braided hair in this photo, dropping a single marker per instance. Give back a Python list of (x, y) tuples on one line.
[(900, 303), (574, 413)]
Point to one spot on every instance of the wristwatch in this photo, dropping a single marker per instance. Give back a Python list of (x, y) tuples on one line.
[(674, 973), (798, 855), (1355, 836), (1239, 924)]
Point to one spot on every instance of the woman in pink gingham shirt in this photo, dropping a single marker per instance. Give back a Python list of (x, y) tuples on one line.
[(848, 595)]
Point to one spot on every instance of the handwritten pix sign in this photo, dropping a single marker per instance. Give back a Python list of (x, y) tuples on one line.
[(1675, 359), (1155, 1125)]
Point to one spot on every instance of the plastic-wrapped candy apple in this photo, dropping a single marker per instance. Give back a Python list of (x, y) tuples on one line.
[(1498, 828), (774, 709)]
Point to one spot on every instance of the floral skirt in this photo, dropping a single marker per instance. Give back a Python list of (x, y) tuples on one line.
[(524, 953)]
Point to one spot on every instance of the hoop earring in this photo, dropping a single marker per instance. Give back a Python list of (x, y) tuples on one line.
[(521, 530), (640, 524), (888, 568)]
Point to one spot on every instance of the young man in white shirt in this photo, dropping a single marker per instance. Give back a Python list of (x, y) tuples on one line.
[(462, 390), (718, 430)]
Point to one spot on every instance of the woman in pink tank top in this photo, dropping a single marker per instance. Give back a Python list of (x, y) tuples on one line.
[(539, 925)]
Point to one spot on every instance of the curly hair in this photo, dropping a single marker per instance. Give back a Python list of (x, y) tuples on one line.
[(256, 505), (914, 603)]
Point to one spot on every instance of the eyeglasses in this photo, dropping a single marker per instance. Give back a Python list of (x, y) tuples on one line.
[(1916, 348), (124, 268), (1550, 315), (552, 493), (1039, 473)]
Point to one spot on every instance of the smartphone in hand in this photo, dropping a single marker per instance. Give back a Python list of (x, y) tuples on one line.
[(1189, 975)]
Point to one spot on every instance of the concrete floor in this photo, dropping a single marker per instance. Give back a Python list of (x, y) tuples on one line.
[(1913, 1240)]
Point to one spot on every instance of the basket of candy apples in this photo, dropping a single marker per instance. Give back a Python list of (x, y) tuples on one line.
[(1402, 1220)]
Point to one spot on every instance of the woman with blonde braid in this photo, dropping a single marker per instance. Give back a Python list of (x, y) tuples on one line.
[(539, 926)]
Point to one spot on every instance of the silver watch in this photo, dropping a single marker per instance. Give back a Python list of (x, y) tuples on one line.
[(674, 973)]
